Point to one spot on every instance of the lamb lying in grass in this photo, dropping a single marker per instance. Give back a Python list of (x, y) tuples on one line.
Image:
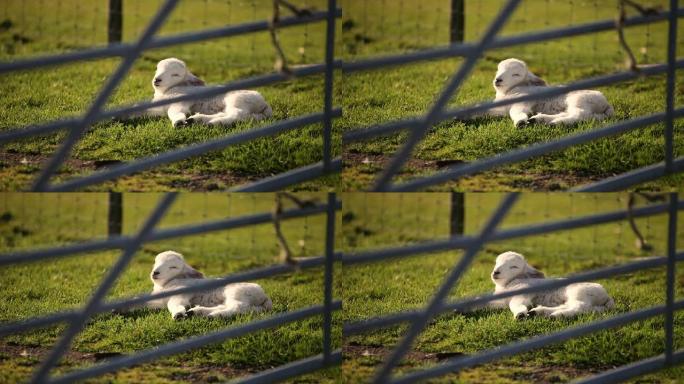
[(513, 79), (170, 272), (173, 79), (512, 272)]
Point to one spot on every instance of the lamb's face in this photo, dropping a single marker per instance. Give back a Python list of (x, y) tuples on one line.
[(167, 266), (170, 72), (510, 72), (509, 265)]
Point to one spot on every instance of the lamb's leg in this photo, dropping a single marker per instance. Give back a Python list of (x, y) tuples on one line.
[(541, 310), (571, 116), (177, 306), (204, 311), (230, 117), (519, 114), (233, 308), (177, 113), (202, 118), (571, 309), (518, 306)]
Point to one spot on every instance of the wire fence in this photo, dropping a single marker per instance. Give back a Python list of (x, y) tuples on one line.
[(418, 127), (383, 27), (149, 231), (130, 52), (489, 232)]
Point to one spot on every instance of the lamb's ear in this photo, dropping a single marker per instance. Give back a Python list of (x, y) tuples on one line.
[(534, 80), (193, 80), (192, 273), (533, 273)]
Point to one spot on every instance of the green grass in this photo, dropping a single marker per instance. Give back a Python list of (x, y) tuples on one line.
[(374, 97), (39, 96), (40, 220), (381, 220)]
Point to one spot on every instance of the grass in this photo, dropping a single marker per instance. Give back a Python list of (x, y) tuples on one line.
[(381, 220), (38, 96), (41, 220), (375, 97)]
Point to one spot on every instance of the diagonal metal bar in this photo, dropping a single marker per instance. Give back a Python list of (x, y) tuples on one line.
[(202, 92), (464, 49), (252, 274), (161, 234), (670, 86), (161, 42), (631, 178), (625, 372), (534, 342), (193, 342), (75, 134), (466, 304), (431, 117), (328, 86), (188, 151), (393, 127), (432, 308), (94, 302), (671, 270), (292, 369), (293, 176)]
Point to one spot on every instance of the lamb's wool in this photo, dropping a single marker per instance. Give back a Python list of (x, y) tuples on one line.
[(512, 272), (513, 79), (171, 272), (173, 79)]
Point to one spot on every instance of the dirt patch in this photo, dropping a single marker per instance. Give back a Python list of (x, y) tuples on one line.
[(355, 350), (31, 356), (30, 164), (369, 165), (515, 371)]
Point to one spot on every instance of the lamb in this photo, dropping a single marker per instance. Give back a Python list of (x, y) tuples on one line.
[(512, 272), (170, 272), (173, 79), (513, 79)]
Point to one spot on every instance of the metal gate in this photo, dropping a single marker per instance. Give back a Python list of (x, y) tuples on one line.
[(129, 245), (130, 52), (471, 245), (418, 127)]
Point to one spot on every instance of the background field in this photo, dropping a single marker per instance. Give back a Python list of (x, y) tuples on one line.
[(375, 221), (40, 27), (373, 97), (41, 220)]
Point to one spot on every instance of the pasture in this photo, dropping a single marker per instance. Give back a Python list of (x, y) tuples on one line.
[(377, 96), (375, 221), (41, 288), (30, 28)]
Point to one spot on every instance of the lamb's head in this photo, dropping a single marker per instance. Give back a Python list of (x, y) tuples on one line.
[(170, 265), (510, 266), (172, 72), (512, 73)]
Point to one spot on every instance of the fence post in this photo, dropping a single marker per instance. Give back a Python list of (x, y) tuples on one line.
[(457, 21), (115, 21), (115, 215), (457, 214)]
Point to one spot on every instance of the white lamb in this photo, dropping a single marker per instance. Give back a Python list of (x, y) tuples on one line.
[(170, 272), (513, 79), (173, 79), (512, 272)]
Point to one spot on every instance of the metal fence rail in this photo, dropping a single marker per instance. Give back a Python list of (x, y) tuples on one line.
[(130, 52), (418, 319), (76, 319), (417, 127)]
